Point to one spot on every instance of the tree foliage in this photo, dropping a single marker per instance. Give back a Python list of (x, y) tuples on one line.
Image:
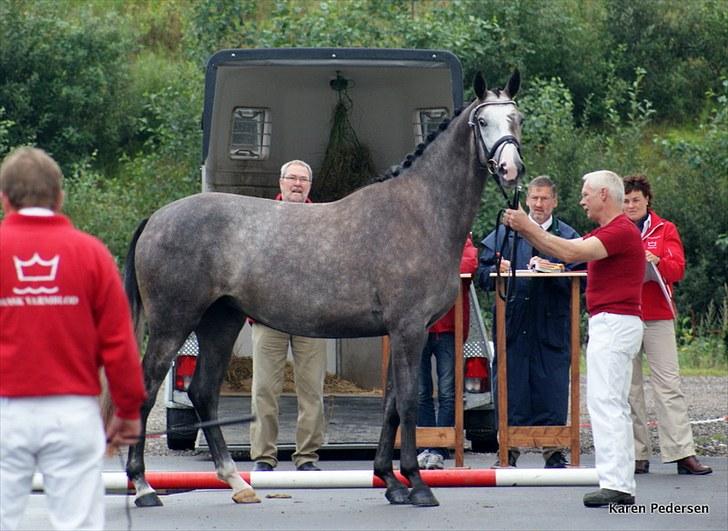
[(63, 81), (113, 89)]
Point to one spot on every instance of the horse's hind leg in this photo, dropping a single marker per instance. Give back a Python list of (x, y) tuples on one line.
[(156, 362), (216, 335)]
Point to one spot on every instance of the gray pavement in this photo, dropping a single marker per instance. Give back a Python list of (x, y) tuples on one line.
[(558, 508)]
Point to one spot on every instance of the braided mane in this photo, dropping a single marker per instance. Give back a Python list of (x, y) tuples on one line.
[(395, 171)]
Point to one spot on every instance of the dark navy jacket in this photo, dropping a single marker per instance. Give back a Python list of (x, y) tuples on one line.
[(537, 330)]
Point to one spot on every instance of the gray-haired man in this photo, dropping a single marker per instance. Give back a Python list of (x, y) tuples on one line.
[(270, 349)]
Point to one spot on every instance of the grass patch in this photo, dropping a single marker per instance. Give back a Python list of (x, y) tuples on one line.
[(692, 362), (698, 371)]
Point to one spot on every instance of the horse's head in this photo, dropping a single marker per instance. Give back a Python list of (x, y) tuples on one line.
[(496, 123)]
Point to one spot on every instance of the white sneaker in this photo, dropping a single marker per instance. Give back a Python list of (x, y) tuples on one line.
[(422, 458), (435, 462)]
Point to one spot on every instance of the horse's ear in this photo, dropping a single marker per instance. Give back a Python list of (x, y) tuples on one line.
[(514, 83), (479, 85)]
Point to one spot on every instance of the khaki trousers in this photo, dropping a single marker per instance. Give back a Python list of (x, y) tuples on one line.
[(673, 426), (270, 348)]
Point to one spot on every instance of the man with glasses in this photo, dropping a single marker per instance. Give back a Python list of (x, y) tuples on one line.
[(270, 349)]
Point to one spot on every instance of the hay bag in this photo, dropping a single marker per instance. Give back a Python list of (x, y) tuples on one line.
[(347, 163)]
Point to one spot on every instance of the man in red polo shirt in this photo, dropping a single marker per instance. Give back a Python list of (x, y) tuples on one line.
[(616, 268)]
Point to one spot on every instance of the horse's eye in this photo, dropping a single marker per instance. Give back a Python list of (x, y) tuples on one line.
[(482, 122)]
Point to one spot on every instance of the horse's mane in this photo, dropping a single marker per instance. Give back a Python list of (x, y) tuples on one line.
[(396, 170)]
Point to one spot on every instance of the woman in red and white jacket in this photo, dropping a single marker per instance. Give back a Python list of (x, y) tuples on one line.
[(666, 265)]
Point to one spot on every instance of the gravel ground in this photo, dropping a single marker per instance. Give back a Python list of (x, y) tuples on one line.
[(707, 398)]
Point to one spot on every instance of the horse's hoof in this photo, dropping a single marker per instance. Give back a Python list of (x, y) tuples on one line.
[(423, 498), (246, 496), (398, 496), (149, 499)]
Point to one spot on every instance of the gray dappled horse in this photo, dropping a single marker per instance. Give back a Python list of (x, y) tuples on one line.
[(383, 260)]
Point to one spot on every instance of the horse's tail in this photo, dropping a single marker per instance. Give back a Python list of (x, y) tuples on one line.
[(135, 303), (132, 287)]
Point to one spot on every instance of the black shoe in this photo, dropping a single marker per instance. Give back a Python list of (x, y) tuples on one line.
[(557, 460), (602, 497), (262, 466), (691, 465), (641, 466), (512, 458), (308, 466)]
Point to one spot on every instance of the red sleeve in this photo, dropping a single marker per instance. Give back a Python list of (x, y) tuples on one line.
[(117, 344), (469, 261), (672, 261)]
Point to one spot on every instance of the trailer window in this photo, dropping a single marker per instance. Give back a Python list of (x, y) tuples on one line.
[(250, 133), (426, 121)]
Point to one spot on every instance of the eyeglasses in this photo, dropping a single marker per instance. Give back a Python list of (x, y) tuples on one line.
[(296, 178)]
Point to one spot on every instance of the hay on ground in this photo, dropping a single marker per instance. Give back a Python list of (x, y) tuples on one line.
[(239, 377)]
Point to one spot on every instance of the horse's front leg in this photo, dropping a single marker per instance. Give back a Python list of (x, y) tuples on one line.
[(405, 373), (396, 493)]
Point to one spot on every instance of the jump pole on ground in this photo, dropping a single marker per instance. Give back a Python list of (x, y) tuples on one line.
[(354, 479)]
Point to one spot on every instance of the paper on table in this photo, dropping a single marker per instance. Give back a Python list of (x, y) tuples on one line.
[(653, 275)]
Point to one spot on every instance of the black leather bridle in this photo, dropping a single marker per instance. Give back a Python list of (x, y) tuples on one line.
[(492, 166)]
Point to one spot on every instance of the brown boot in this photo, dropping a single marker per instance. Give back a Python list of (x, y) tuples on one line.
[(691, 465), (641, 466)]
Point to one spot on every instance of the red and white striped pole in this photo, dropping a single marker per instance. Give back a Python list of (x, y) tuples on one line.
[(346, 479)]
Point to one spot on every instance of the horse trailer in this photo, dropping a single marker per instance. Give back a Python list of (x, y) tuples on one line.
[(263, 107)]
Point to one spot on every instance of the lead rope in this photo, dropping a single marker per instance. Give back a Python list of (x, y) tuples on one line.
[(510, 286), (127, 507)]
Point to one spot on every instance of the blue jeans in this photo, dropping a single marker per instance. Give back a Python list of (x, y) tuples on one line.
[(442, 347)]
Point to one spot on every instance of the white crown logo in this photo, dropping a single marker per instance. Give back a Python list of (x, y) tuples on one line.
[(47, 271)]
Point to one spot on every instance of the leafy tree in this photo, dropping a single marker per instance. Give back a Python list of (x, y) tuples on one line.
[(62, 82), (691, 184), (114, 90), (681, 45)]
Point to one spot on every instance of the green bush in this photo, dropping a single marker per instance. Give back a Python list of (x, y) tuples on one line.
[(165, 168), (681, 45), (690, 183), (111, 208), (114, 89), (63, 81), (705, 345)]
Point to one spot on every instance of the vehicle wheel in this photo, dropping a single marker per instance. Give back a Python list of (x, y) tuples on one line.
[(484, 445), (181, 440)]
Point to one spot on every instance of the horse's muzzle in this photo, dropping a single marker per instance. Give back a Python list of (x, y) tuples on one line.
[(509, 167)]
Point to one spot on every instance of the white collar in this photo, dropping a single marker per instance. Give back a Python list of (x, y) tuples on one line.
[(545, 225), (647, 224), (36, 211)]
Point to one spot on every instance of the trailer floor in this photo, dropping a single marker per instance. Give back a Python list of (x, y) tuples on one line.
[(353, 422)]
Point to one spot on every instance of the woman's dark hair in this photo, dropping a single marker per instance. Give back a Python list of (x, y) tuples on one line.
[(638, 183)]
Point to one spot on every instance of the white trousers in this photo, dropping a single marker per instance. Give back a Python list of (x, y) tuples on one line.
[(614, 340), (63, 438)]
